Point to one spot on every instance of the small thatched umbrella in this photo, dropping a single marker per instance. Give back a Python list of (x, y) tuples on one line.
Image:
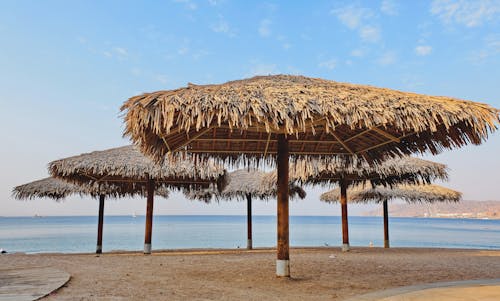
[(408, 193), (127, 167), (407, 170), (283, 116), (58, 189), (246, 184)]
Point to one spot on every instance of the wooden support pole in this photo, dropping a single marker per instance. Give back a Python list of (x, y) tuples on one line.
[(100, 223), (283, 260), (150, 186), (249, 221), (343, 205), (386, 225)]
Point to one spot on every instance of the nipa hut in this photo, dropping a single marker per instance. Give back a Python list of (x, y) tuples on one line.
[(279, 117), (409, 193), (246, 184), (127, 167), (58, 189)]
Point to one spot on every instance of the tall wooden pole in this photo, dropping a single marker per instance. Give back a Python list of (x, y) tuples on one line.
[(386, 225), (343, 205), (249, 221), (98, 249), (149, 216), (283, 260)]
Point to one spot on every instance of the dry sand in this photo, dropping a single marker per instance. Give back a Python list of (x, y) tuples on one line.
[(318, 274)]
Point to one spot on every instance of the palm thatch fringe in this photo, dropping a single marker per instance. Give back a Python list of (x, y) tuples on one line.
[(241, 119), (127, 167), (408, 193), (58, 189), (408, 170), (243, 182)]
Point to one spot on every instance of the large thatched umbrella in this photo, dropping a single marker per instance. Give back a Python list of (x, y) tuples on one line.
[(406, 170), (283, 116), (408, 193), (127, 167), (58, 189), (246, 184)]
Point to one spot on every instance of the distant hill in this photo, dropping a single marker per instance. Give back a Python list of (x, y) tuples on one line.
[(464, 209)]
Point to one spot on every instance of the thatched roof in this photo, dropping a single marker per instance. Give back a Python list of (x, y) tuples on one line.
[(58, 189), (242, 182), (408, 170), (127, 167), (241, 119), (408, 193)]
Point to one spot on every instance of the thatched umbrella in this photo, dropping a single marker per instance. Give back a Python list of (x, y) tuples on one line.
[(246, 184), (127, 167), (283, 116), (58, 189), (403, 170), (408, 193)]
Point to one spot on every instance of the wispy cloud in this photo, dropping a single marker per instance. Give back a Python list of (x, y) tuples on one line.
[(259, 68), (370, 34), (352, 16), (357, 53), (358, 18), (388, 58), (187, 4), (162, 78), (489, 49), (468, 13), (116, 52), (328, 64), (265, 28), (423, 50), (389, 7), (222, 26)]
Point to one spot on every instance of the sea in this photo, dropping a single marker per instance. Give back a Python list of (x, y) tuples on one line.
[(77, 234)]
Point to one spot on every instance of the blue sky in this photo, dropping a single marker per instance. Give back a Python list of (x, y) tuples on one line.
[(67, 66)]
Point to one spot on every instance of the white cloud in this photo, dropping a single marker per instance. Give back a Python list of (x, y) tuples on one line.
[(370, 34), (357, 53), (223, 27), (213, 2), (262, 69), (163, 79), (490, 48), (351, 16), (187, 3), (387, 58), (116, 52), (357, 18), (264, 28), (183, 50), (423, 50), (389, 7), (328, 64), (469, 13)]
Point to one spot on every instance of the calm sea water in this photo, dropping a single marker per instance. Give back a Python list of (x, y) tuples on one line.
[(78, 234)]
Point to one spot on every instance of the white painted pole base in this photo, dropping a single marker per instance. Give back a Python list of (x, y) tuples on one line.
[(147, 248), (98, 249), (249, 244), (282, 268), (345, 247)]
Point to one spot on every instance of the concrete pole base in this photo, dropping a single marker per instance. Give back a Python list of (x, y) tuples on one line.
[(249, 244), (98, 249), (282, 268), (346, 248), (147, 248), (386, 244)]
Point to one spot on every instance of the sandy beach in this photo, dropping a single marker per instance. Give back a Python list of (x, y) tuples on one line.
[(317, 273)]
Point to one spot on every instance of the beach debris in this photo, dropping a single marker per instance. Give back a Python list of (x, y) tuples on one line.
[(332, 256), (371, 244), (2, 251)]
